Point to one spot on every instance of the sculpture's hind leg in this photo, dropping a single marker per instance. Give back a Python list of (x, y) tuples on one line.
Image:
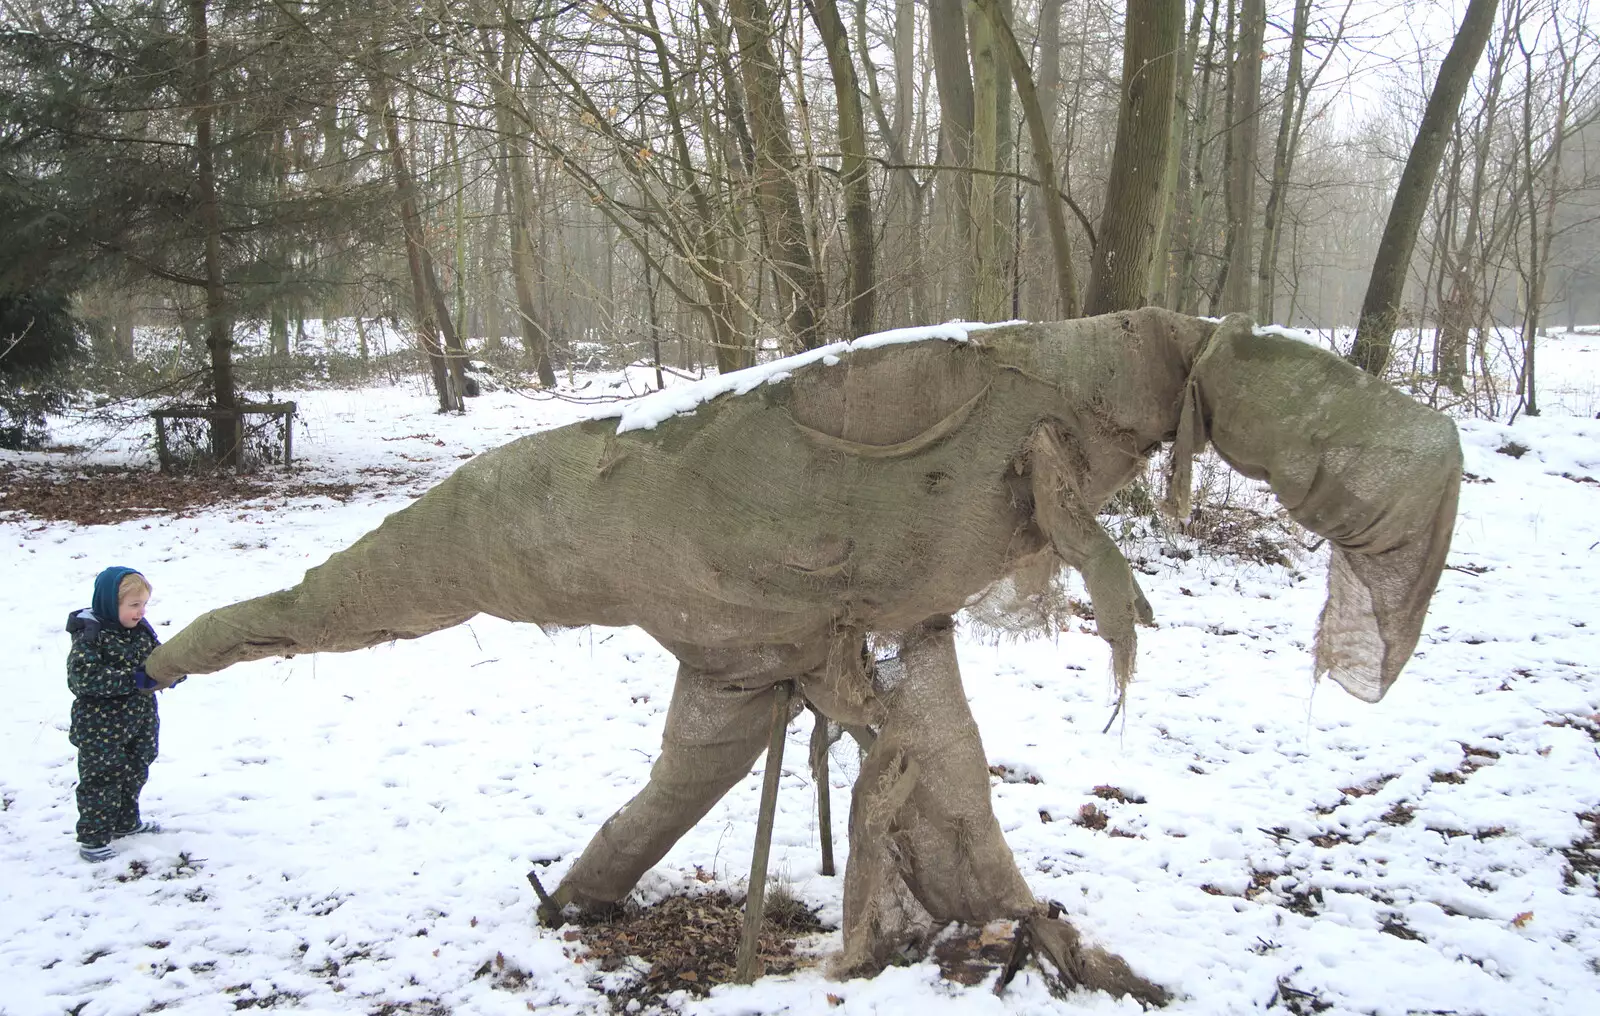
[(921, 825), (921, 813), (715, 730)]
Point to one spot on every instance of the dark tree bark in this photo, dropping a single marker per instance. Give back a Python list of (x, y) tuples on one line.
[(1042, 301), (800, 286), (987, 253), (1460, 276), (1245, 91), (519, 210), (1120, 266), (1539, 234), (853, 167), (1265, 276), (1381, 306), (417, 262), (219, 328), (716, 271), (947, 39), (903, 227), (1043, 159), (1161, 274), (1186, 228)]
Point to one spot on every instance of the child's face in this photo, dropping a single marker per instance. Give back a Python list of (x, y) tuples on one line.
[(130, 609)]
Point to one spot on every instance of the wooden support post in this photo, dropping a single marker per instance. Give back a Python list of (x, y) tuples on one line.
[(820, 742), (755, 900)]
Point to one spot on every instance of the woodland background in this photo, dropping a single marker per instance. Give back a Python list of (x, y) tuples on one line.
[(695, 183)]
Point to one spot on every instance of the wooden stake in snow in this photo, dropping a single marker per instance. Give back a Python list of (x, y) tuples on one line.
[(755, 901), (819, 773)]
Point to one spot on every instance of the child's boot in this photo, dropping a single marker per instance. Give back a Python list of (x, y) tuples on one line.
[(103, 852)]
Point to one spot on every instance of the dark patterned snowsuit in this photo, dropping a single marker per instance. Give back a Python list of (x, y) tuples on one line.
[(114, 725)]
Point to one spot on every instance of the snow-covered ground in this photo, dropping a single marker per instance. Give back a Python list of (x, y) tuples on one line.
[(350, 833)]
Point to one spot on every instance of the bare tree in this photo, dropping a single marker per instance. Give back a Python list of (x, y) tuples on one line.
[(776, 192), (1161, 264), (1120, 264), (1296, 92), (862, 285), (424, 288), (1381, 306), (1043, 157), (1244, 110)]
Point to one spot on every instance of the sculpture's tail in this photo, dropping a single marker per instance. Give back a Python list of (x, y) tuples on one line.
[(1353, 460)]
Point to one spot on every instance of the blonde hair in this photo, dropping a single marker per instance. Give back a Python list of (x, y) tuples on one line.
[(132, 583)]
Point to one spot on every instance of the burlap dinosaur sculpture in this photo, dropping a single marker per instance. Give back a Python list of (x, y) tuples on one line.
[(879, 489)]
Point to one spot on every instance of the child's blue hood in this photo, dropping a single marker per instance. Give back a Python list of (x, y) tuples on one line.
[(104, 603)]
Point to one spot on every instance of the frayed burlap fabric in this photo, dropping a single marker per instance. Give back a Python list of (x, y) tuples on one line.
[(764, 537), (1352, 460)]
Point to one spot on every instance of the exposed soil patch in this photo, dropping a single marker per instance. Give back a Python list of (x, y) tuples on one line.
[(1109, 793), (104, 495), (1400, 814), (424, 1007), (692, 942), (1583, 857), (1588, 724), (1370, 787), (969, 955), (1009, 774), (1091, 817)]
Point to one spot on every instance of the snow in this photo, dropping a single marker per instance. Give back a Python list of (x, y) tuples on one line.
[(646, 413), (351, 833)]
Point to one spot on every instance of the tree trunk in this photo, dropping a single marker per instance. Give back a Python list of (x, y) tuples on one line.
[(862, 283), (1381, 306), (777, 196), (277, 332), (1043, 300), (534, 341), (903, 225), (1187, 289), (1245, 128), (716, 270), (1460, 310), (219, 329), (988, 295), (422, 301), (489, 294), (1043, 158), (1120, 268), (1266, 277), (519, 210), (947, 38), (1539, 245), (1160, 288)]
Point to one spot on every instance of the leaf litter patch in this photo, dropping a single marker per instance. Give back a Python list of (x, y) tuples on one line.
[(106, 495), (690, 943)]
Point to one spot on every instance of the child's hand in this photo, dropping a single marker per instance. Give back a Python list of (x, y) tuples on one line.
[(147, 683)]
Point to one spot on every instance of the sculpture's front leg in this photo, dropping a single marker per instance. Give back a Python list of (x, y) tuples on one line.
[(714, 733)]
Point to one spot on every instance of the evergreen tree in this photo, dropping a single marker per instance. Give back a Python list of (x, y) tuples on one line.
[(183, 142)]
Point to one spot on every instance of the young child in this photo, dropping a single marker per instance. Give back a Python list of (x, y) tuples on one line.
[(114, 719)]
